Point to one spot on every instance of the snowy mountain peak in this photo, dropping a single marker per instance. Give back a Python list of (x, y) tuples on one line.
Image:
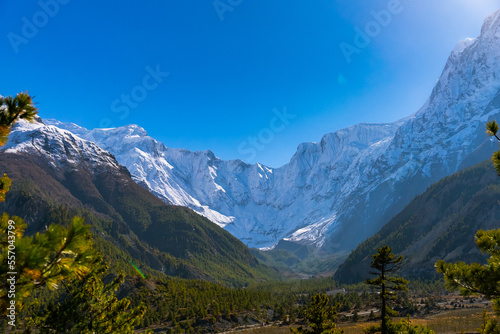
[(491, 25), (62, 148), (462, 45), (132, 130), (71, 127), (339, 191)]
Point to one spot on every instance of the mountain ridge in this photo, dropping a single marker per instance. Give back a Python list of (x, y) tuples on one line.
[(438, 224), (53, 170), (332, 194)]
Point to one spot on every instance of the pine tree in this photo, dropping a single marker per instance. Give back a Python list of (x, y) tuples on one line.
[(492, 131), (355, 316), (43, 260), (406, 326), (89, 306), (4, 187), (320, 316), (13, 109), (385, 264), (489, 326), (476, 278), (53, 258)]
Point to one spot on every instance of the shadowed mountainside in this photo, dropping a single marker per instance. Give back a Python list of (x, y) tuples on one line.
[(439, 224)]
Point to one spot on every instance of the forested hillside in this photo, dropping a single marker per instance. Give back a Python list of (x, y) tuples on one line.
[(439, 224), (127, 221)]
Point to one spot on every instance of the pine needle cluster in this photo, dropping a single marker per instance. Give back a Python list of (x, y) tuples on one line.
[(12, 109)]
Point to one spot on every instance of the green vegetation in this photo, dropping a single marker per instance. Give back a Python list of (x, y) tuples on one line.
[(43, 260), (492, 130), (406, 326), (303, 259), (169, 269), (185, 304), (5, 183), (435, 225), (168, 239), (173, 304), (438, 223), (13, 109), (479, 278), (476, 278), (59, 257), (87, 306), (385, 263), (320, 316)]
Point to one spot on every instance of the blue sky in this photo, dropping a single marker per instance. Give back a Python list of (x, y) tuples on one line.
[(248, 79)]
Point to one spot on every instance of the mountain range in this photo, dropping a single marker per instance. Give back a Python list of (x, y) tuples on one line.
[(333, 194), (57, 175)]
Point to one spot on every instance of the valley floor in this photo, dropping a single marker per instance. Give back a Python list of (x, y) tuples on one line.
[(443, 322)]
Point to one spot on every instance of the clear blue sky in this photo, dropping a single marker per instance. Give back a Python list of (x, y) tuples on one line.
[(226, 76)]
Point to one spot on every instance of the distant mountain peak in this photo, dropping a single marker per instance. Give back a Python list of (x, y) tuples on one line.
[(491, 25), (60, 147), (339, 191), (133, 130), (463, 44)]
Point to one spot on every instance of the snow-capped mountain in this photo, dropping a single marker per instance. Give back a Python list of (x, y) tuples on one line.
[(339, 191), (62, 149), (257, 204), (55, 173)]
